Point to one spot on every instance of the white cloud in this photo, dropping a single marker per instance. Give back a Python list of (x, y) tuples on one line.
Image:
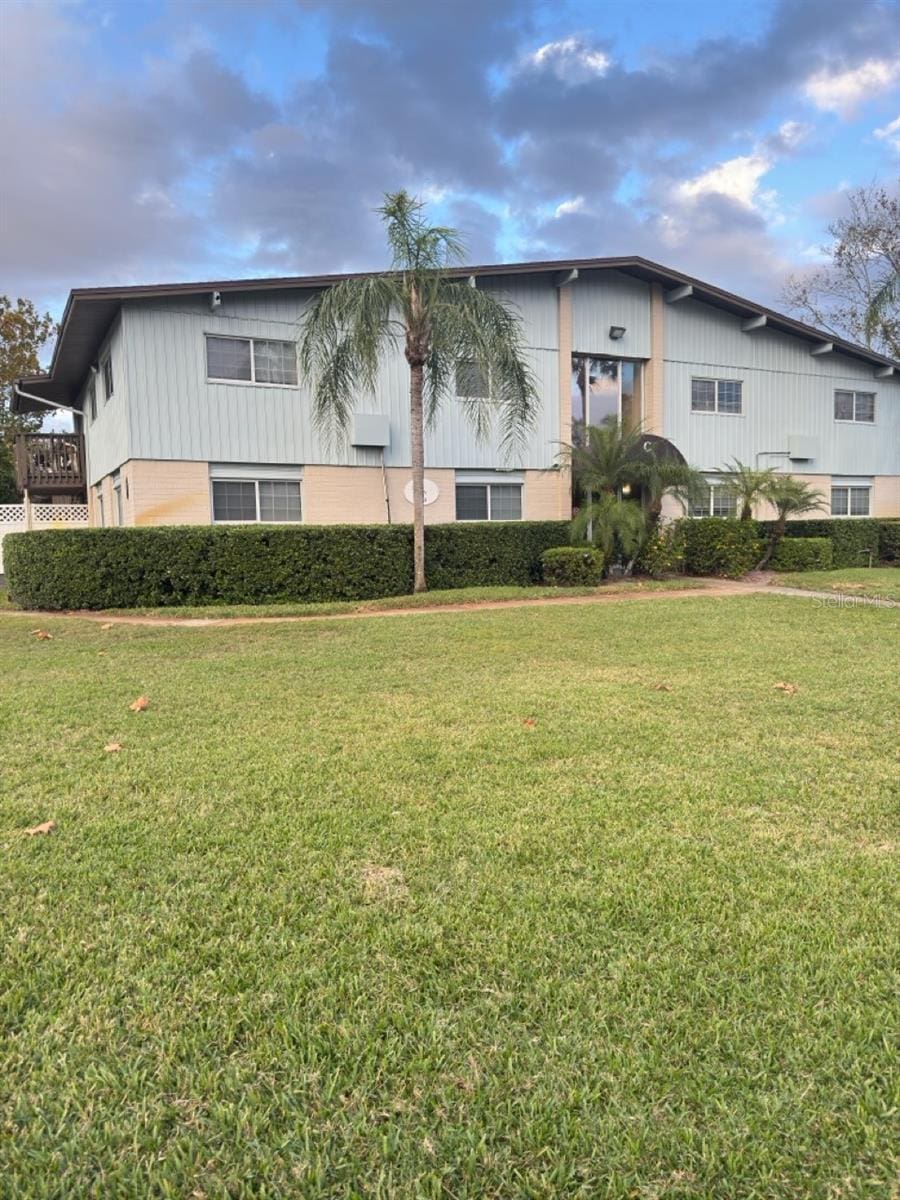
[(890, 134), (571, 60), (736, 178), (575, 205), (842, 91)]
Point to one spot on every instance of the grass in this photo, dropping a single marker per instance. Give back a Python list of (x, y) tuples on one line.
[(436, 599), (460, 907), (879, 582)]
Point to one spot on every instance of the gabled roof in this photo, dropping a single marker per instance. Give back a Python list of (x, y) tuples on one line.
[(90, 312)]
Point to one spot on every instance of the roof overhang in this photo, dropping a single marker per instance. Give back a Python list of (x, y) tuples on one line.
[(90, 312)]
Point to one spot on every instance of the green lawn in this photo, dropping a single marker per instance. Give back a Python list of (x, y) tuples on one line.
[(880, 582), (458, 905)]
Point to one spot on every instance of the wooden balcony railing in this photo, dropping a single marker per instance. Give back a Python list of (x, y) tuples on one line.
[(50, 462)]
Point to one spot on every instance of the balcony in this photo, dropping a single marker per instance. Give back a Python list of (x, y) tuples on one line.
[(50, 462)]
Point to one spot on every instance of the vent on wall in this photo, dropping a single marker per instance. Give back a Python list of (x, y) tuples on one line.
[(370, 429), (801, 449)]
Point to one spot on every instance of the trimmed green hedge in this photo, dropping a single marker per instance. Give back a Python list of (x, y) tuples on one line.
[(720, 546), (572, 566), (853, 539), (260, 564), (889, 541), (803, 554)]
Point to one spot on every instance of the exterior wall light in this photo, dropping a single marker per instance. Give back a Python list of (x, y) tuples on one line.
[(626, 489), (616, 332)]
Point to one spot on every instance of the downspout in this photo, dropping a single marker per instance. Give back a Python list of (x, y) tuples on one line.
[(41, 400), (384, 484)]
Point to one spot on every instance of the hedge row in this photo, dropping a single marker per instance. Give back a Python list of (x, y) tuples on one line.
[(203, 564), (853, 540), (803, 554), (720, 546), (572, 566)]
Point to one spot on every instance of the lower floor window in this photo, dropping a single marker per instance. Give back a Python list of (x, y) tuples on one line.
[(849, 501), (489, 502), (273, 500), (720, 501)]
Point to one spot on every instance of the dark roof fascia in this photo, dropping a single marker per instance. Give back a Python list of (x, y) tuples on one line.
[(633, 265)]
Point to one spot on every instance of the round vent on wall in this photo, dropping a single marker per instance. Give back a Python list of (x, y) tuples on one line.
[(432, 491)]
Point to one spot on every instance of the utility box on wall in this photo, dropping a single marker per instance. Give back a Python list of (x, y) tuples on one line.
[(801, 448), (370, 429)]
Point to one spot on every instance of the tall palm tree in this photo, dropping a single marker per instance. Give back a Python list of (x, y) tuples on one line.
[(442, 323), (611, 465), (878, 312), (790, 497), (749, 485)]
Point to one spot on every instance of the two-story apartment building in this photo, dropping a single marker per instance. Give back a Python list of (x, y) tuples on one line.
[(192, 408)]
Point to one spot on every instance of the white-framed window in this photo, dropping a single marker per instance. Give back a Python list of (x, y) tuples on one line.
[(724, 396), (117, 498), (107, 378), (471, 382), (101, 511), (720, 501), (483, 496), (273, 501), (851, 498), (251, 360), (92, 399), (854, 406)]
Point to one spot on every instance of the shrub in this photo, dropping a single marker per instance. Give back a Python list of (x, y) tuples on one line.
[(889, 541), (803, 554), (230, 564), (662, 553), (853, 539), (572, 566), (720, 546)]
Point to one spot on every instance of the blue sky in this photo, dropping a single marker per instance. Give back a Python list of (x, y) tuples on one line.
[(151, 140)]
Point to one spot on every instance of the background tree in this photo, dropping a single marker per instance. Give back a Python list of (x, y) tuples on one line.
[(23, 334), (790, 497), (442, 323), (865, 256), (749, 485)]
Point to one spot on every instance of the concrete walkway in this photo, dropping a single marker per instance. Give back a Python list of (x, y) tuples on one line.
[(713, 589)]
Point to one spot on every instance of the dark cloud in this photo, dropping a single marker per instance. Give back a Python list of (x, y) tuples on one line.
[(185, 169)]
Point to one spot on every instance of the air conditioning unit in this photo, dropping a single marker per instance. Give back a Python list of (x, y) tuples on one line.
[(801, 448), (370, 429)]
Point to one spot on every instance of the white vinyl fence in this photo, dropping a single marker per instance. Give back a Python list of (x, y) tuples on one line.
[(17, 518)]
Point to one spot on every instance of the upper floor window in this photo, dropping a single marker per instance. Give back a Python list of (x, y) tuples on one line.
[(851, 500), (717, 396), (471, 382), (251, 360), (720, 501), (107, 377), (854, 406), (92, 399), (271, 500)]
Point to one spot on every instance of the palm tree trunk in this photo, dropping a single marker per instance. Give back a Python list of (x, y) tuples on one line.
[(417, 449), (778, 530)]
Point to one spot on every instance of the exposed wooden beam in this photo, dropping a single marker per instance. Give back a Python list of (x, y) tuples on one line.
[(884, 372), (565, 277), (754, 323), (679, 293), (822, 348)]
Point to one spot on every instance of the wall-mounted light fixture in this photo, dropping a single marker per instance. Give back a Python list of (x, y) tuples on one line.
[(616, 332), (626, 489)]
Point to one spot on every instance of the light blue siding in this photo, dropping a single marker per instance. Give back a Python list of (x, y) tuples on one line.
[(175, 412), (604, 298), (786, 391), (107, 438)]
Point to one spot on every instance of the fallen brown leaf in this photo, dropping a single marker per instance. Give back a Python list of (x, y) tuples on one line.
[(662, 687), (140, 704), (113, 747), (529, 722), (42, 635), (46, 827), (108, 625), (789, 688)]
